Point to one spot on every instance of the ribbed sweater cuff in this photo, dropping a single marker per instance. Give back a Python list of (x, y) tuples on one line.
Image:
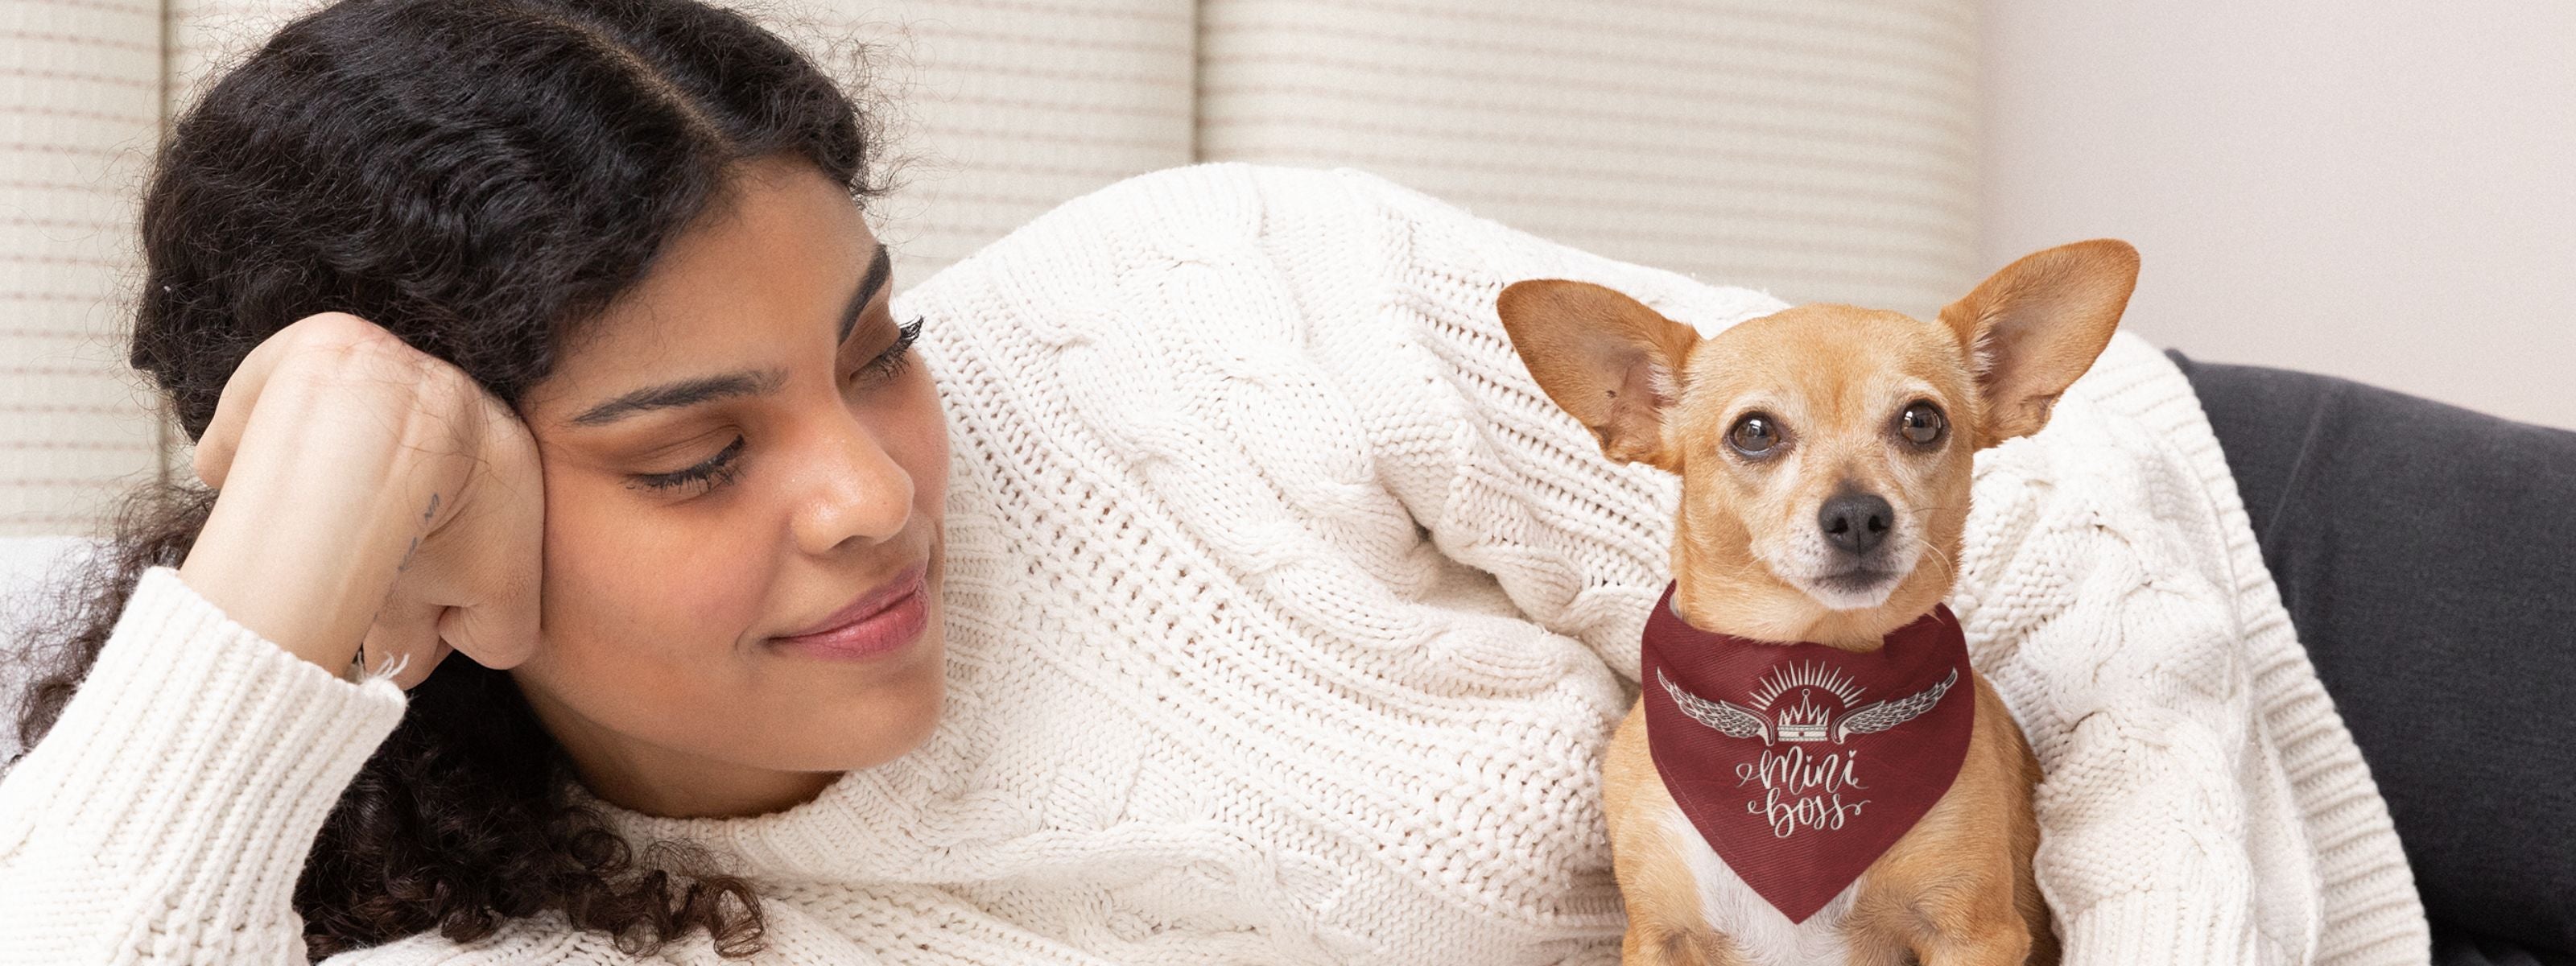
[(185, 782), (2165, 928)]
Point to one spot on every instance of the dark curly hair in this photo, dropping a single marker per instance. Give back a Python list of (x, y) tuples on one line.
[(479, 177)]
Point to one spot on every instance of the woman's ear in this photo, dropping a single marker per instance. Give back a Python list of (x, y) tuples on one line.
[(2032, 328), (1604, 357)]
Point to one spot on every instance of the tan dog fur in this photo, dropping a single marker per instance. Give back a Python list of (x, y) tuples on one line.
[(1833, 379)]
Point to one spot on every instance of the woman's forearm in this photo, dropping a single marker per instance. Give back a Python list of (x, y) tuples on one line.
[(303, 566), (168, 813)]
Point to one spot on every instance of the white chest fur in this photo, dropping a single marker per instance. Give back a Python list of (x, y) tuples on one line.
[(1760, 933)]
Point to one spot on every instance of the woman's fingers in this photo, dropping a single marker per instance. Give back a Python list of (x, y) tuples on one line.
[(492, 551), (405, 637), (517, 536), (498, 633)]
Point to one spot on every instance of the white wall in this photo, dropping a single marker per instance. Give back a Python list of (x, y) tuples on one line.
[(2384, 190)]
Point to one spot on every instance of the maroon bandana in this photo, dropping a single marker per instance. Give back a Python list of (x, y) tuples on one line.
[(1801, 763)]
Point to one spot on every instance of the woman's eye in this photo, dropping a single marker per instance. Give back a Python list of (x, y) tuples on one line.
[(715, 472), (1757, 434), (1922, 424), (892, 361)]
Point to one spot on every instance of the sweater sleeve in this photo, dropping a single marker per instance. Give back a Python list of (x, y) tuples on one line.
[(1502, 479), (167, 815)]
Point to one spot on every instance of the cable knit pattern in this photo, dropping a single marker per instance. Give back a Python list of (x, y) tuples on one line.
[(1288, 621)]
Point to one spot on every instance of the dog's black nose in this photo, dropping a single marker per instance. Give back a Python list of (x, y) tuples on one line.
[(1856, 522)]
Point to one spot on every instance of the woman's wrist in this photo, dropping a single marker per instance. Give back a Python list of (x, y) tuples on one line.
[(303, 564)]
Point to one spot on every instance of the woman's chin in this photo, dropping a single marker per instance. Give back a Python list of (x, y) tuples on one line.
[(890, 721)]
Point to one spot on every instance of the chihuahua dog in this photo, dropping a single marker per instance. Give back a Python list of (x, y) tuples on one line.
[(1807, 778)]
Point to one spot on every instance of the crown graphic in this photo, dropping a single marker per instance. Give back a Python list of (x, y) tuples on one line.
[(1804, 722)]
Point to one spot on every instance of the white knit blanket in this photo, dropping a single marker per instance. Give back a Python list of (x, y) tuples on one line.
[(1288, 622)]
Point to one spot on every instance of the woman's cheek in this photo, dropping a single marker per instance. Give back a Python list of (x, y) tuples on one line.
[(925, 442), (663, 582)]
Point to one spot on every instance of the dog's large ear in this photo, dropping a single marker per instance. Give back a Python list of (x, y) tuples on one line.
[(2034, 327), (1604, 357)]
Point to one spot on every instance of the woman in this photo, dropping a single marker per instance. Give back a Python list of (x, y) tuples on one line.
[(630, 227), (1206, 584)]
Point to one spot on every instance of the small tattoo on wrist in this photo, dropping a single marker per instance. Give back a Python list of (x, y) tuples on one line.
[(409, 551)]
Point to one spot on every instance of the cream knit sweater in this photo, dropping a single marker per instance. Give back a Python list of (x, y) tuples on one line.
[(1288, 621)]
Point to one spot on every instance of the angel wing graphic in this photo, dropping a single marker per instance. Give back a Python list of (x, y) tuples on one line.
[(1728, 718), (1879, 716)]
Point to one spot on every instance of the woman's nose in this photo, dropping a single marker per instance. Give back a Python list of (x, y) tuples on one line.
[(850, 488)]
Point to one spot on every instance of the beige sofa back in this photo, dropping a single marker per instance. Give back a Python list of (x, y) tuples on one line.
[(1820, 149)]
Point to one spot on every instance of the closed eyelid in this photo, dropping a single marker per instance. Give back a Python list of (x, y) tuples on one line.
[(720, 462)]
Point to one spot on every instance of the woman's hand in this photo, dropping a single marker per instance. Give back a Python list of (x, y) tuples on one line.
[(369, 492)]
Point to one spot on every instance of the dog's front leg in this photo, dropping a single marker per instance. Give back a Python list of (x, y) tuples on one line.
[(1990, 940), (1649, 944)]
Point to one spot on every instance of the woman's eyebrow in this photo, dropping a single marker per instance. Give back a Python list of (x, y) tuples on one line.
[(880, 268), (686, 392), (690, 392)]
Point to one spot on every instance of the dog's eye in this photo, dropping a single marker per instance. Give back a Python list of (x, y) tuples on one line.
[(1922, 424), (1754, 435)]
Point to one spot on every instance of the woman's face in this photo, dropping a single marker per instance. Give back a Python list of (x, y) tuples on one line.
[(739, 453)]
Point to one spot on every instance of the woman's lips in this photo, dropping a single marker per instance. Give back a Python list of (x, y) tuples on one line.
[(882, 620)]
